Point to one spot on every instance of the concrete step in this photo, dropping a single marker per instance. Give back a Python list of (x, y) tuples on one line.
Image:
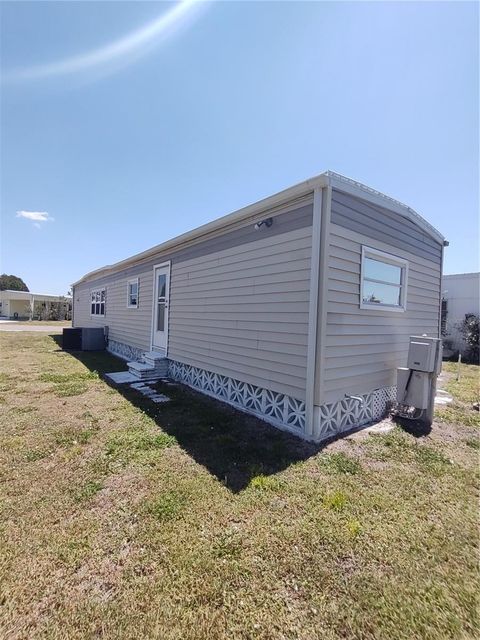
[(157, 363), (139, 366), (153, 355), (145, 371)]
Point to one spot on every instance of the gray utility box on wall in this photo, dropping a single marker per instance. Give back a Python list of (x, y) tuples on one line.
[(84, 339), (416, 383)]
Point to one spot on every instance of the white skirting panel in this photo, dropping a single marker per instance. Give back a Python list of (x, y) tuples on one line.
[(124, 351), (276, 408), (349, 413)]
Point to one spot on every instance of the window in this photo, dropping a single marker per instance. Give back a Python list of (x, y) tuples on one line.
[(132, 293), (97, 302), (384, 281)]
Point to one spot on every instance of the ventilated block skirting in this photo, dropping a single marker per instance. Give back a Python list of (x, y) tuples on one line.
[(277, 408), (124, 351), (349, 413), (282, 410)]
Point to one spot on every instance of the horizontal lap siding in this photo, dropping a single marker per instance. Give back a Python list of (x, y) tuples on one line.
[(364, 347), (130, 326), (243, 311)]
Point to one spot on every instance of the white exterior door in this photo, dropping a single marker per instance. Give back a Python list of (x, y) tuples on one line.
[(160, 307)]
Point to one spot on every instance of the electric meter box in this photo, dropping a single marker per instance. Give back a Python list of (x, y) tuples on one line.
[(424, 354), (413, 388)]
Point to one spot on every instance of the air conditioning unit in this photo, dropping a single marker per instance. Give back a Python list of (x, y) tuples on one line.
[(84, 339)]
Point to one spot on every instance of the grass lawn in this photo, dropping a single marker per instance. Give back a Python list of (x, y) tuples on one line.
[(122, 519)]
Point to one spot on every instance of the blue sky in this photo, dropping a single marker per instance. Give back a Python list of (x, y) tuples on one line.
[(237, 102)]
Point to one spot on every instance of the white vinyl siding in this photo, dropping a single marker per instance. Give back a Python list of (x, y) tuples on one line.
[(130, 326), (243, 312), (363, 347)]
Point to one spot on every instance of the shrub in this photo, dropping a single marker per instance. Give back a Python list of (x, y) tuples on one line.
[(469, 329)]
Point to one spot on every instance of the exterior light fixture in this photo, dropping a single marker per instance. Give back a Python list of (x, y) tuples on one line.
[(267, 222)]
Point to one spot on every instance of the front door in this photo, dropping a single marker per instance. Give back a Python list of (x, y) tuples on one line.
[(160, 307)]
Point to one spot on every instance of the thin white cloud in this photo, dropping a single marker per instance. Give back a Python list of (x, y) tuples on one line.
[(37, 216), (132, 43)]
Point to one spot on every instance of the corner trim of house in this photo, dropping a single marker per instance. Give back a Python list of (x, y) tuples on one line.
[(323, 282), (313, 310)]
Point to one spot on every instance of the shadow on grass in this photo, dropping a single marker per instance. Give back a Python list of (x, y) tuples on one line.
[(232, 445), (415, 428)]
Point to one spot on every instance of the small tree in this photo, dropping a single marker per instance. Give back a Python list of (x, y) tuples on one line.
[(469, 329)]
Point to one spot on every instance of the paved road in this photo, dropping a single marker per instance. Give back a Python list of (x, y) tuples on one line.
[(6, 325)]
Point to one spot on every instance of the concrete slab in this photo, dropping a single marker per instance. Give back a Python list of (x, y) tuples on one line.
[(121, 377), (442, 397), (384, 426)]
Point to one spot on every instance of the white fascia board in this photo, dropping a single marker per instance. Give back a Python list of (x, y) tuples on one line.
[(354, 188), (219, 225)]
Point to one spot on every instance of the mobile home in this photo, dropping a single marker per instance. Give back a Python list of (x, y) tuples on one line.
[(297, 308)]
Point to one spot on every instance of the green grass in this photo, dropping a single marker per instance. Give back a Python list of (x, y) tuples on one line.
[(261, 482), (465, 392), (128, 443), (120, 518), (467, 388), (64, 378), (166, 507), (69, 384), (473, 442), (87, 491), (335, 500), (340, 463)]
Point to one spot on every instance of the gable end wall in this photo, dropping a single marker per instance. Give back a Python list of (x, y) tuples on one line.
[(364, 347)]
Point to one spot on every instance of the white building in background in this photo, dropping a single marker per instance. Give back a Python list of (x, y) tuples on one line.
[(24, 305), (460, 297)]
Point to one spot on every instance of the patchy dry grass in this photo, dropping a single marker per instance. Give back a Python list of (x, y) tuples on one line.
[(465, 392), (124, 519)]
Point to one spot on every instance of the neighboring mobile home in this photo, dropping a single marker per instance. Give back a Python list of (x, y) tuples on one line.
[(297, 308)]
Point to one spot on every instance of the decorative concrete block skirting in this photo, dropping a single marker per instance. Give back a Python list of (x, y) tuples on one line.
[(281, 410), (344, 415), (277, 408), (124, 351)]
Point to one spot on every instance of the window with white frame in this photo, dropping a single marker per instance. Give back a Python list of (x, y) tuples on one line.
[(97, 302), (132, 293), (383, 281)]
